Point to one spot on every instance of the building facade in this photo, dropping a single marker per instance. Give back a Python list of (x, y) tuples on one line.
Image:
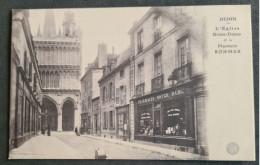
[(107, 94), (89, 97), (122, 95), (59, 56), (167, 58), (25, 100), (96, 111)]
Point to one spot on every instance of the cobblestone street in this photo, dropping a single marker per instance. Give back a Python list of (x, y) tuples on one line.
[(66, 145)]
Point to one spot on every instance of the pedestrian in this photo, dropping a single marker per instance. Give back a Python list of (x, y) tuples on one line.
[(76, 130)]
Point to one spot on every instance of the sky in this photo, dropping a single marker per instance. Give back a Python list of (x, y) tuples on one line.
[(98, 25)]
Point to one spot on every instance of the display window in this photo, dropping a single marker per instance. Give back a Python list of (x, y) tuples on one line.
[(174, 118), (145, 116)]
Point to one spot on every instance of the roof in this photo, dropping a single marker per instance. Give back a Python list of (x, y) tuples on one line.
[(123, 60)]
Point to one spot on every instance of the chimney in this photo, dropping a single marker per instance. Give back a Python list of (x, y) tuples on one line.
[(102, 55)]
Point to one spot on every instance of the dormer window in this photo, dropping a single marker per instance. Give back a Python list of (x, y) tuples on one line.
[(157, 22)]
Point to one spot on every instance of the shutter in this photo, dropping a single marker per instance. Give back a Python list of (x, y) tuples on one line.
[(117, 95)]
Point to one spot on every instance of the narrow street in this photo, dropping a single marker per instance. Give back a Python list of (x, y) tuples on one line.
[(66, 145)]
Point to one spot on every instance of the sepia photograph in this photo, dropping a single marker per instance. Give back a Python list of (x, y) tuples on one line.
[(132, 83)]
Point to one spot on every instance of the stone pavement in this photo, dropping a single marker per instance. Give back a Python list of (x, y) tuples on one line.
[(154, 149), (44, 147)]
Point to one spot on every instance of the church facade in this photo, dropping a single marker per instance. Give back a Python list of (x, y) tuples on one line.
[(59, 59)]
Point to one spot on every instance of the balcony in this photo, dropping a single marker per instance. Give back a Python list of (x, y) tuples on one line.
[(157, 83), (157, 35), (182, 74), (139, 90)]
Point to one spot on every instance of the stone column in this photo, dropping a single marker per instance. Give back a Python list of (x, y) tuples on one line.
[(59, 118)]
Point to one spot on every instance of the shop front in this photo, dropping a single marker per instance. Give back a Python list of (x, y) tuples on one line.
[(122, 114), (166, 117)]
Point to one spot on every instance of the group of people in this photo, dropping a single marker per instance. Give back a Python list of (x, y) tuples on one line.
[(44, 129)]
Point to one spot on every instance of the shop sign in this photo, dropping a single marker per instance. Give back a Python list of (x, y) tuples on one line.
[(173, 112), (160, 96), (145, 116)]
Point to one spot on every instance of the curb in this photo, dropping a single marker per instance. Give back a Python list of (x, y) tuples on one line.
[(170, 153)]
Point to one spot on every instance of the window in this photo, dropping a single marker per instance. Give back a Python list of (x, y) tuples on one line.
[(174, 118), (122, 73), (157, 22), (184, 53), (89, 102), (111, 119), (140, 41), (110, 91), (145, 120), (83, 105), (122, 94), (105, 121), (104, 94), (158, 64), (140, 73), (157, 26)]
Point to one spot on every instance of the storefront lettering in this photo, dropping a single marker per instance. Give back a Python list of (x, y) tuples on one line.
[(161, 96)]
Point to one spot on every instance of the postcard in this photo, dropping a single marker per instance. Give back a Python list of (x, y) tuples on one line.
[(167, 83)]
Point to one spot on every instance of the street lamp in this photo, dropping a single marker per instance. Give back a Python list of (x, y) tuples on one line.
[(173, 79)]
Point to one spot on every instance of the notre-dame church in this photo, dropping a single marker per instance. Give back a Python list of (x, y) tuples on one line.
[(59, 60)]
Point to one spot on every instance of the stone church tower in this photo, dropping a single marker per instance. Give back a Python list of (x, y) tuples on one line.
[(59, 60)]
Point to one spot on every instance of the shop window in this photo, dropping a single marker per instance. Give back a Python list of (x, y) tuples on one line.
[(122, 124), (145, 117), (174, 118)]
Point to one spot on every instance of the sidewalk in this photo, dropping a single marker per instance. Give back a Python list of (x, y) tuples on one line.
[(154, 149), (44, 147)]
